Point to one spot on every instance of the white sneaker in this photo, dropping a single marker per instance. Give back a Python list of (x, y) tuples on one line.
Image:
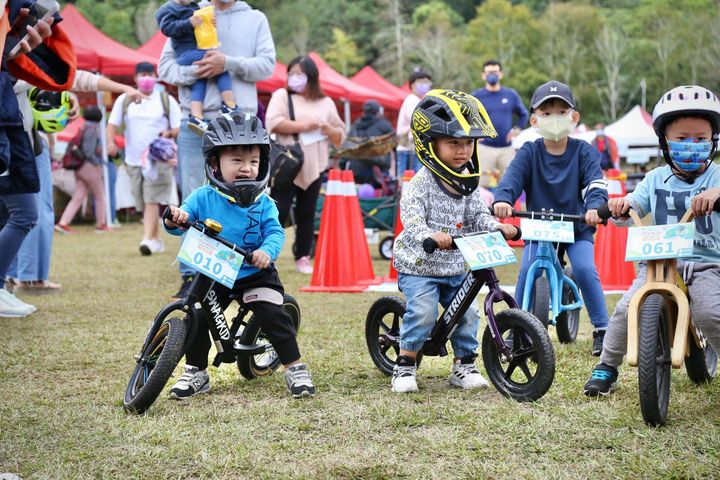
[(157, 246), (403, 379), (192, 382), (466, 376), (146, 247), (12, 307), (303, 265)]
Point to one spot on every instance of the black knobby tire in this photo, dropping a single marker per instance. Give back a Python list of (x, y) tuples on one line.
[(529, 375), (568, 322), (263, 364), (158, 361), (701, 364), (384, 318), (654, 360), (385, 247), (540, 303)]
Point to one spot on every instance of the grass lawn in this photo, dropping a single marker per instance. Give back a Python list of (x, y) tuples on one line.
[(64, 371)]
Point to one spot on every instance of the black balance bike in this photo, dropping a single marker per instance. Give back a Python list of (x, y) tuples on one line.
[(174, 327), (516, 349)]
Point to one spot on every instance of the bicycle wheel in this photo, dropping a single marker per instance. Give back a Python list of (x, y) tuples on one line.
[(382, 332), (654, 360), (385, 247), (156, 364), (263, 364), (530, 373), (568, 322), (540, 303), (701, 363)]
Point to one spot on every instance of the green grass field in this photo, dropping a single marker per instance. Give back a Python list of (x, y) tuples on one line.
[(64, 371)]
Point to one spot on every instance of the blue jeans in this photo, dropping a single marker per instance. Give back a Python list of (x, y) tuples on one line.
[(423, 295), (191, 166), (112, 178), (18, 214), (198, 89), (582, 259), (407, 160), (33, 259)]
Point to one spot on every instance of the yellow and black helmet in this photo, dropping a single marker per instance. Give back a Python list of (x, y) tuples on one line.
[(455, 114)]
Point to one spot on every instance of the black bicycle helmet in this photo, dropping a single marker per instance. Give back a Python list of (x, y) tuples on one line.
[(231, 129), (450, 113)]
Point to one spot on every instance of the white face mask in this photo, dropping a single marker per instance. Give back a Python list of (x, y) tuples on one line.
[(555, 127)]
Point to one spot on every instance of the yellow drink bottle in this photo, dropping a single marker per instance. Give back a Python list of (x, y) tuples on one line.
[(206, 33)]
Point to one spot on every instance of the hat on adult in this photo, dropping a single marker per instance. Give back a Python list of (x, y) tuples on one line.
[(144, 67), (549, 90), (371, 107)]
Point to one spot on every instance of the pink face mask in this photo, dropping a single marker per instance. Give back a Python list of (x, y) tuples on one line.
[(146, 84)]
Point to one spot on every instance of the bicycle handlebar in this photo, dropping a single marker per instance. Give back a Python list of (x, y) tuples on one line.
[(200, 226), (430, 245), (550, 215), (605, 214)]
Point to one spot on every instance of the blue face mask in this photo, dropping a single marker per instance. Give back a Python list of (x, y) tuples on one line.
[(492, 78), (689, 154)]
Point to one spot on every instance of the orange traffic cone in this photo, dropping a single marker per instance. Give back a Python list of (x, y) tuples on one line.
[(516, 222), (610, 241), (407, 175), (331, 271), (358, 246)]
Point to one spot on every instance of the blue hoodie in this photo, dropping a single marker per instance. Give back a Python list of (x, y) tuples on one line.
[(252, 228), (570, 183)]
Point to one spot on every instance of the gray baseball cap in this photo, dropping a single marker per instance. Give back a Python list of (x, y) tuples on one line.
[(552, 89)]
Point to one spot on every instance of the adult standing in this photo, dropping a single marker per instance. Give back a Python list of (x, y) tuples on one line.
[(317, 115), (607, 147), (158, 116), (247, 52), (370, 124), (420, 82), (508, 115)]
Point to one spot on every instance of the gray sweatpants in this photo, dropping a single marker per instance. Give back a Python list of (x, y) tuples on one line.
[(703, 282)]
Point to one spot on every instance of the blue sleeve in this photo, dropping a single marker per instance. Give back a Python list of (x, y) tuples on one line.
[(171, 24), (515, 178), (640, 197), (520, 111), (272, 232), (191, 206), (593, 186)]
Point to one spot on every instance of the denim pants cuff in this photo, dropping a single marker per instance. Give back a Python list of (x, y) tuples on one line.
[(411, 347)]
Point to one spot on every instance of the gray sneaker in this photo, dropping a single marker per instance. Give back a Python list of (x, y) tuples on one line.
[(299, 381), (192, 382)]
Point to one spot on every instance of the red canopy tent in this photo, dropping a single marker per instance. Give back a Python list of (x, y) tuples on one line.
[(154, 46), (369, 78), (96, 51)]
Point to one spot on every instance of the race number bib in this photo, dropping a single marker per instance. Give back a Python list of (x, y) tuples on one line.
[(485, 251), (660, 241), (548, 231), (210, 257)]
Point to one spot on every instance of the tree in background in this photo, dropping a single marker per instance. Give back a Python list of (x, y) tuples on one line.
[(342, 54)]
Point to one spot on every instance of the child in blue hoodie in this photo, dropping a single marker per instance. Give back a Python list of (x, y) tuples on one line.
[(563, 174), (237, 164)]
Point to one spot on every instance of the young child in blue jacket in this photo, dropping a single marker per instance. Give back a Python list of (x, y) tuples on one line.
[(237, 164), (687, 122), (563, 174)]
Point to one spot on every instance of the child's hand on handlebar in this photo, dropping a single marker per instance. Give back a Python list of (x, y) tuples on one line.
[(703, 203), (592, 218), (260, 259), (178, 216), (508, 231), (502, 210), (619, 206), (443, 240)]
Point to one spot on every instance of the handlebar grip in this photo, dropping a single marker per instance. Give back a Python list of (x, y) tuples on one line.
[(716, 207), (604, 212), (429, 245)]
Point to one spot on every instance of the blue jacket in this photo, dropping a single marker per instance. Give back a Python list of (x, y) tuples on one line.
[(569, 183), (252, 228), (501, 106), (174, 22)]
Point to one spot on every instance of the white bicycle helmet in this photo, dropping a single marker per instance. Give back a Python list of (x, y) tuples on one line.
[(683, 101)]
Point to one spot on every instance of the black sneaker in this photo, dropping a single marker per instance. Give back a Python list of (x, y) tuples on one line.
[(186, 282), (192, 382), (603, 381), (598, 339), (299, 381)]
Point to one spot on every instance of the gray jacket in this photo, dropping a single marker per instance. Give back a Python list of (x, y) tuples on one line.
[(247, 43)]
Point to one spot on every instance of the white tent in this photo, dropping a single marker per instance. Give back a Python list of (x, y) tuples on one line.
[(634, 129)]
